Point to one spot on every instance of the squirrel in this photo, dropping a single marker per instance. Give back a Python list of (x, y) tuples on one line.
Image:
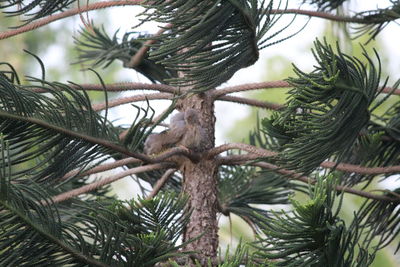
[(184, 130)]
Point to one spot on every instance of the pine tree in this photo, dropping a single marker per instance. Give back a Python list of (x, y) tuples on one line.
[(326, 142)]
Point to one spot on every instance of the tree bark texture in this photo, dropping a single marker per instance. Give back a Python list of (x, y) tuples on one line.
[(200, 184)]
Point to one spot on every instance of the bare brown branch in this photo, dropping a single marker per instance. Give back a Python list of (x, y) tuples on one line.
[(118, 87), (273, 84), (359, 169), (251, 102), (93, 186), (131, 99), (256, 151), (160, 183), (72, 12), (322, 15), (237, 159), (339, 188), (101, 168), (250, 86), (248, 148)]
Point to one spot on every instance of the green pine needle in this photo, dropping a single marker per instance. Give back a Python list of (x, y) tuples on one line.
[(313, 234), (213, 41), (34, 10), (326, 109)]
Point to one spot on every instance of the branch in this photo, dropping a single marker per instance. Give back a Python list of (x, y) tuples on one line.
[(93, 186), (257, 152), (87, 138), (119, 87), (249, 148), (251, 102), (339, 188), (119, 163), (105, 143), (130, 99), (160, 183), (359, 169), (219, 94), (322, 15), (101, 168), (72, 12), (250, 86), (274, 84), (237, 159)]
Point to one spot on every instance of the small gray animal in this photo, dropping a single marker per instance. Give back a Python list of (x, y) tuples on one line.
[(157, 143), (195, 135), (184, 130)]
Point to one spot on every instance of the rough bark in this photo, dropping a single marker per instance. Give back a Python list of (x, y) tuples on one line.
[(200, 184)]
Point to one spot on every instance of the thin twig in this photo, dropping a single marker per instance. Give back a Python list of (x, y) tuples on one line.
[(339, 188), (68, 13), (322, 15), (250, 86), (249, 148), (106, 143), (93, 186), (160, 183), (251, 102), (167, 96), (116, 87), (273, 84), (127, 86), (101, 168), (256, 151), (130, 99), (236, 159), (81, 136), (138, 57), (359, 169)]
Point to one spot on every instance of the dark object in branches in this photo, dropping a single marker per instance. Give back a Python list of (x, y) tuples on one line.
[(96, 47)]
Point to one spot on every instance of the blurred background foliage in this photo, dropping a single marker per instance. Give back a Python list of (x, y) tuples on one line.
[(54, 46)]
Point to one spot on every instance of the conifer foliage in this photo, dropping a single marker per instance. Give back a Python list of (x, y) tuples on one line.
[(337, 135)]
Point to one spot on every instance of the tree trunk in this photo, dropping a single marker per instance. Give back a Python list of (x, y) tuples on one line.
[(200, 184)]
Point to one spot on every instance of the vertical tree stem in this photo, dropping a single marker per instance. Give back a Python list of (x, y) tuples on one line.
[(200, 184)]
